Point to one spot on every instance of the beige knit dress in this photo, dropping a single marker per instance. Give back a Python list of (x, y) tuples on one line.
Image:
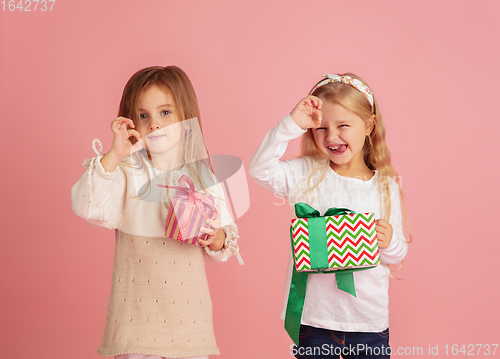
[(160, 301)]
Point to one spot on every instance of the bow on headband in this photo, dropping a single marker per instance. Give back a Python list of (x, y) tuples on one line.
[(348, 80)]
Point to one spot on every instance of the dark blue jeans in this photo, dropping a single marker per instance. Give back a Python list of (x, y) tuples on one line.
[(318, 343)]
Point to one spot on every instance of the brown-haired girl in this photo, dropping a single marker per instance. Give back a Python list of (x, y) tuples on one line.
[(160, 304), (345, 162)]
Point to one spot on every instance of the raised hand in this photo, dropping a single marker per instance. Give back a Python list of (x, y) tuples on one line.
[(307, 113), (121, 146)]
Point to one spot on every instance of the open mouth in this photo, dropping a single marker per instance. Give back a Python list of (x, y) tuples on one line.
[(338, 150)]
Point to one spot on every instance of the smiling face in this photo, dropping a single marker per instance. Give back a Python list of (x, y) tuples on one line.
[(159, 121), (341, 138)]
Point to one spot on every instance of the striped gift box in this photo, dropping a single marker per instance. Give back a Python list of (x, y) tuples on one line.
[(350, 242), (187, 213)]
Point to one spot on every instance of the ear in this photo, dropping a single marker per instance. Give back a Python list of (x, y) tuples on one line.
[(372, 124)]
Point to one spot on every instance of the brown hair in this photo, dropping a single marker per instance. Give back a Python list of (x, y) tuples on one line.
[(174, 81)]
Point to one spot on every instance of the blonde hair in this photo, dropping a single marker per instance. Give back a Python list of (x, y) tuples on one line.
[(375, 150), (174, 81)]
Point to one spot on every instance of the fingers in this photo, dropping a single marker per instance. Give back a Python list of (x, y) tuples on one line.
[(210, 232), (384, 233), (213, 243), (313, 101), (205, 242), (123, 120), (380, 229), (215, 240), (217, 233), (382, 223), (382, 244), (381, 233), (307, 113), (214, 223), (318, 115), (314, 104), (318, 103), (121, 123), (134, 133), (383, 226)]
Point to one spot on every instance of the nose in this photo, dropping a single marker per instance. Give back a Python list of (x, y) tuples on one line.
[(154, 125), (332, 134)]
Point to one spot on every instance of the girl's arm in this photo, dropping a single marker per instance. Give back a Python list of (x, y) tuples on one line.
[(99, 196), (396, 251), (265, 165)]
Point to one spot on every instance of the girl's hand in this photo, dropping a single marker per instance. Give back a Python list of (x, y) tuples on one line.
[(307, 113), (384, 233), (216, 236), (121, 146)]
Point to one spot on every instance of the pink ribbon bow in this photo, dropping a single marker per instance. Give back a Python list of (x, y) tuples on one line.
[(194, 198)]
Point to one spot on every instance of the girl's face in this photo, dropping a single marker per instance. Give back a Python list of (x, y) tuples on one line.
[(159, 121), (341, 137)]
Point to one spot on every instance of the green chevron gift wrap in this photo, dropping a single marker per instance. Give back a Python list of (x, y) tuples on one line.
[(335, 242), (338, 243)]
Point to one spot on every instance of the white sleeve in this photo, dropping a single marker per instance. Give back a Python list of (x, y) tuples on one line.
[(398, 247), (230, 230), (99, 196), (265, 165)]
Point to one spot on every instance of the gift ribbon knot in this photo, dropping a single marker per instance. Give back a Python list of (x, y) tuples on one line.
[(197, 199)]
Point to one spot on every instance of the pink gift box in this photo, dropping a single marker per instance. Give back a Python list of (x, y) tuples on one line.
[(187, 213)]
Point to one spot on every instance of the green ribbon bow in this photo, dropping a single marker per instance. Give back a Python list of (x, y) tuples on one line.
[(319, 260)]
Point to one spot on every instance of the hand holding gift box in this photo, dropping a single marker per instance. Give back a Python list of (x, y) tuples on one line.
[(188, 211), (339, 242)]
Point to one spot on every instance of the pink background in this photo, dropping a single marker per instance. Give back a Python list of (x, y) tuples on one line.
[(432, 65)]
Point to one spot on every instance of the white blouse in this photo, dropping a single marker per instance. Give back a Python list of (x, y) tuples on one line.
[(325, 305), (118, 200)]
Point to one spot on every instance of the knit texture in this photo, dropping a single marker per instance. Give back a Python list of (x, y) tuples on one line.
[(160, 302)]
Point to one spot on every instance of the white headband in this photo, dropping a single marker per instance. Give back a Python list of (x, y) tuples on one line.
[(348, 80)]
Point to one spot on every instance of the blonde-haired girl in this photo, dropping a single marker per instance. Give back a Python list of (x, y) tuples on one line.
[(160, 304), (345, 162)]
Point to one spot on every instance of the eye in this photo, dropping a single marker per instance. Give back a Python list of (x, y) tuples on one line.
[(343, 126), (320, 128), (165, 113), (143, 116)]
